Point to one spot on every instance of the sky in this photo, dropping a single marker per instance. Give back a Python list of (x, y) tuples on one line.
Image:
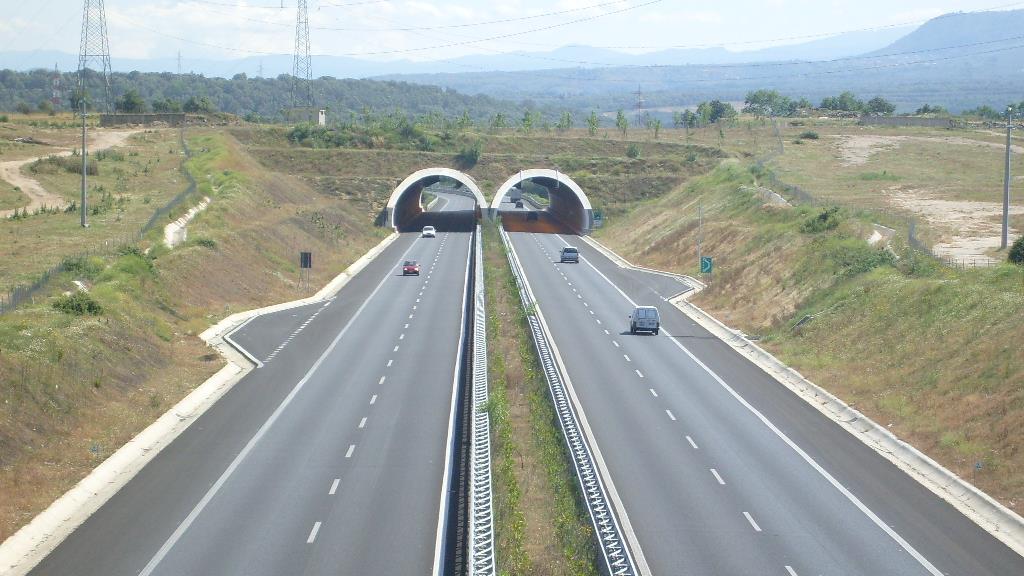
[(440, 29)]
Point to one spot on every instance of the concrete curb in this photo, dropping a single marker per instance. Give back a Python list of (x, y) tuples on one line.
[(24, 549), (998, 520)]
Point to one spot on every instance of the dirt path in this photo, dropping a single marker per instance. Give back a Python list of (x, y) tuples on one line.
[(971, 230), (856, 150), (39, 197)]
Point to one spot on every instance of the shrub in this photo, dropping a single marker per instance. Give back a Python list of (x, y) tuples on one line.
[(633, 151), (207, 243), (1016, 254), (83, 266), (4, 118), (827, 220), (78, 303), (809, 135), (468, 156)]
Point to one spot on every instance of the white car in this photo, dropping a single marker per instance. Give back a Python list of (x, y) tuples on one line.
[(429, 232), (644, 319)]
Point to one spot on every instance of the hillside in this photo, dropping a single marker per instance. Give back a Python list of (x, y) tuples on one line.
[(970, 70), (264, 97)]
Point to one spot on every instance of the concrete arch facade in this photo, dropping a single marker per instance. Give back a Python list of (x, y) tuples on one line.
[(568, 201), (401, 201)]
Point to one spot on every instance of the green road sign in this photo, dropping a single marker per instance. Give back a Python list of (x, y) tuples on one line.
[(706, 264)]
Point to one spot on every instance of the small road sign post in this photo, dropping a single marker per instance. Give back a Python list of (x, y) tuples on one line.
[(706, 264), (305, 264)]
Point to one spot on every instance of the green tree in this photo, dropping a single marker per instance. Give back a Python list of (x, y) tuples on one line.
[(526, 123), (46, 107), (564, 122), (1016, 254), (201, 105), (593, 122), (165, 106), (130, 103), (621, 123), (763, 103), (499, 122), (845, 102), (464, 122), (654, 124), (24, 108), (880, 106)]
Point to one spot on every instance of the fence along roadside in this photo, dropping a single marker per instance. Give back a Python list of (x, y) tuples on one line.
[(20, 294)]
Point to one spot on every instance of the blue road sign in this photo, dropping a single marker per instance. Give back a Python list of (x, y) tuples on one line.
[(706, 264)]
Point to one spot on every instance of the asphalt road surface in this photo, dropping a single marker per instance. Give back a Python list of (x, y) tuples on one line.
[(720, 469), (330, 459)]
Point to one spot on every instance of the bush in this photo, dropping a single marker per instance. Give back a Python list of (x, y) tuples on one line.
[(207, 243), (83, 266), (809, 135), (633, 151), (79, 304), (1017, 251), (468, 157), (827, 220), (4, 118)]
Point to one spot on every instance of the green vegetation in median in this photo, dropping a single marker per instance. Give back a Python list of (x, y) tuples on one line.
[(541, 522)]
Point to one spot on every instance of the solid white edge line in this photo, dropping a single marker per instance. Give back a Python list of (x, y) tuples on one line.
[(184, 525), (313, 532), (751, 520), (442, 518), (806, 457), (620, 510), (229, 340)]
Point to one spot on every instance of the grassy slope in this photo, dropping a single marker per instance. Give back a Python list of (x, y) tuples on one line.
[(76, 388), (928, 351)]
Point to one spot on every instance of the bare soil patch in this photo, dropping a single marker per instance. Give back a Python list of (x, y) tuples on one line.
[(970, 230)]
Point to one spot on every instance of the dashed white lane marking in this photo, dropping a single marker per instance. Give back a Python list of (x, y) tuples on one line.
[(751, 520), (351, 449), (334, 486), (587, 305), (670, 415), (406, 326), (639, 373), (414, 307), (410, 316), (381, 381), (591, 312), (417, 300), (717, 476), (598, 321), (312, 534), (607, 332), (362, 423), (396, 349), (626, 356), (390, 362), (373, 399), (580, 296), (655, 394), (790, 570), (401, 336), (616, 343), (692, 443)]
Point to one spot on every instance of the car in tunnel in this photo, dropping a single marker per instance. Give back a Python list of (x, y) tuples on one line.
[(410, 267)]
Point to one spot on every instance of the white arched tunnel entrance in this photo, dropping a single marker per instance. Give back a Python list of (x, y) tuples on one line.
[(405, 212), (568, 204)]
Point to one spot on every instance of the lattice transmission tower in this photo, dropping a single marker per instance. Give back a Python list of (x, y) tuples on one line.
[(302, 68), (95, 49)]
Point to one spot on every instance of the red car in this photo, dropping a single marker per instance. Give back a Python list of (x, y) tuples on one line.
[(410, 267)]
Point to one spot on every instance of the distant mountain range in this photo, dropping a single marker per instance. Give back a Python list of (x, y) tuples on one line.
[(838, 46)]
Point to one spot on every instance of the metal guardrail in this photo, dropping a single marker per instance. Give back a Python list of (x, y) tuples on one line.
[(617, 558), (482, 557)]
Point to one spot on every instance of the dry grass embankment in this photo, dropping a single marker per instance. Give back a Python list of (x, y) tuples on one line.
[(542, 526), (76, 387), (927, 351)]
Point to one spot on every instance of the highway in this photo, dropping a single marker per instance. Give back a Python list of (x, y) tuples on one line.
[(721, 470), (331, 458)]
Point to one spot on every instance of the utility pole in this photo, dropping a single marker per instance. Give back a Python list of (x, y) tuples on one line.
[(639, 106), (1004, 242), (700, 231), (94, 47), (302, 67)]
